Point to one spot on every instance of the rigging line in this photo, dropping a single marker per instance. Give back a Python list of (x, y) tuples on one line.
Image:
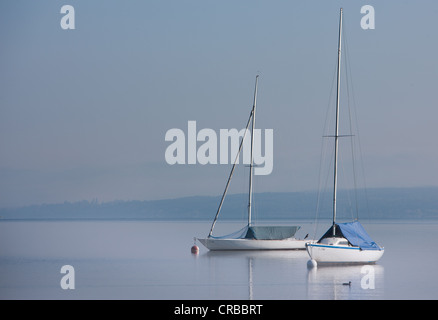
[(324, 187), (348, 81), (347, 191), (359, 145), (323, 151), (360, 155), (231, 174), (244, 201), (357, 151), (255, 199), (251, 167), (254, 206)]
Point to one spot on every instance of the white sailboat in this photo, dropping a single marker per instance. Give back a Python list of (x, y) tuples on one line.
[(343, 242), (253, 237)]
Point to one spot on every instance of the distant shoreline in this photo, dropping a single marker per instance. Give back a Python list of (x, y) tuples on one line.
[(375, 203), (261, 221)]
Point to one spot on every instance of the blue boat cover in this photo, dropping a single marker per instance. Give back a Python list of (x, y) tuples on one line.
[(262, 233), (357, 236)]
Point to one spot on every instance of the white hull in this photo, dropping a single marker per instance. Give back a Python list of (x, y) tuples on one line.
[(325, 253), (252, 244)]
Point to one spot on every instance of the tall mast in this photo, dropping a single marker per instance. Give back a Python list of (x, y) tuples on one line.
[(230, 176), (251, 166), (335, 171)]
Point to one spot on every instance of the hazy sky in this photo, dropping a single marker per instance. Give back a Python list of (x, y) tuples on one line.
[(84, 112)]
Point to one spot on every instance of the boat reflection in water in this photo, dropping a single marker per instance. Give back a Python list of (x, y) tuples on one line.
[(282, 275), (252, 274)]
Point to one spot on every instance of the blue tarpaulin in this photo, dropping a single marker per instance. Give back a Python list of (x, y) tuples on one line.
[(357, 236)]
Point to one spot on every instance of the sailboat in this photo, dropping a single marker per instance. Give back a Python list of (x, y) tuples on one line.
[(252, 237), (343, 242)]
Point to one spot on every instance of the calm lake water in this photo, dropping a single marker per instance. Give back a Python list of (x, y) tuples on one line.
[(152, 260)]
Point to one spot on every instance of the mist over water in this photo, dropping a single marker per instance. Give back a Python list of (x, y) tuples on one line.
[(151, 260)]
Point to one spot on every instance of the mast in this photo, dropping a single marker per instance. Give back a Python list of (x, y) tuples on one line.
[(251, 116), (335, 171), (230, 176), (251, 166)]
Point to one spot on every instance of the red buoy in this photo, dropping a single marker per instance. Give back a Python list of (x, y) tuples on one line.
[(195, 249)]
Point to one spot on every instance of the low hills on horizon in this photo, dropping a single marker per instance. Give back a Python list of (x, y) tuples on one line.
[(373, 203)]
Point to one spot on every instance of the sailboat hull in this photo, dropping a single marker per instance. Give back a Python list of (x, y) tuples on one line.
[(253, 244), (323, 253)]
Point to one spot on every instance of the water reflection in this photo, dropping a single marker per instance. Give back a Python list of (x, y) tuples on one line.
[(345, 282), (258, 274), (284, 275)]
